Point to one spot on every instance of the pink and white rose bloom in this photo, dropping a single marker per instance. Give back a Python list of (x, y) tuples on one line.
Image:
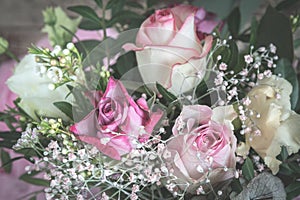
[(169, 51), (117, 123), (203, 146)]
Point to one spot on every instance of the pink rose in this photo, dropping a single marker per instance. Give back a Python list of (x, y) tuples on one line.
[(169, 51), (117, 122), (203, 144), (205, 22)]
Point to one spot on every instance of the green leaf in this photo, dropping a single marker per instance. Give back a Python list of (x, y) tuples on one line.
[(151, 101), (3, 45), (86, 12), (293, 190), (65, 107), (234, 20), (86, 46), (275, 28), (125, 17), (7, 144), (34, 181), (253, 36), (247, 9), (229, 54), (286, 70), (234, 54), (297, 43), (236, 185), (285, 169), (221, 7), (151, 3), (248, 169), (109, 48), (134, 4), (10, 135), (284, 153), (99, 3), (112, 3), (286, 4), (125, 63), (28, 152), (6, 161), (263, 186), (87, 24), (168, 96)]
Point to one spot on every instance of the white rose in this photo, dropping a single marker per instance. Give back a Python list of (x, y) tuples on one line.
[(36, 98), (276, 124)]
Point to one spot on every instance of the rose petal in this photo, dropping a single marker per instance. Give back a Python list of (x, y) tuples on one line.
[(181, 12), (224, 114), (287, 135), (187, 37), (201, 113), (157, 61), (158, 29), (87, 126), (154, 119)]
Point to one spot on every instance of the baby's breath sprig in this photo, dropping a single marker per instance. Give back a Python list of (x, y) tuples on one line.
[(229, 85)]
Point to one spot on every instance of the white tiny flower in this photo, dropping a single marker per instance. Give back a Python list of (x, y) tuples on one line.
[(56, 51), (104, 141), (51, 87), (66, 52), (223, 66), (41, 69), (70, 46), (248, 59), (273, 48), (55, 74), (200, 169)]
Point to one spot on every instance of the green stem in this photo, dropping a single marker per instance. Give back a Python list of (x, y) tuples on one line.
[(103, 23), (11, 55)]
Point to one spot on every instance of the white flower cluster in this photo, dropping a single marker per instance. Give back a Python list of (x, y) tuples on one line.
[(59, 65), (29, 138), (78, 171), (258, 65)]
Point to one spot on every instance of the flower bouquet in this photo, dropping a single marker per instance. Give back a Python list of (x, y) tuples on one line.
[(180, 103)]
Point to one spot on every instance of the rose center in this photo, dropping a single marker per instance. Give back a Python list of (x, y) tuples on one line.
[(161, 16), (106, 111), (207, 139), (164, 13)]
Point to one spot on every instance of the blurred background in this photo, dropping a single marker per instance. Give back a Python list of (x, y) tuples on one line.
[(21, 21)]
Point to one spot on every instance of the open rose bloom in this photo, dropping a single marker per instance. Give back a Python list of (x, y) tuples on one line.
[(203, 146), (169, 51), (274, 123), (117, 123)]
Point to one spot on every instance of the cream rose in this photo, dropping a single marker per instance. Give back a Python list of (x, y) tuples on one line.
[(273, 123), (169, 51), (36, 98)]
